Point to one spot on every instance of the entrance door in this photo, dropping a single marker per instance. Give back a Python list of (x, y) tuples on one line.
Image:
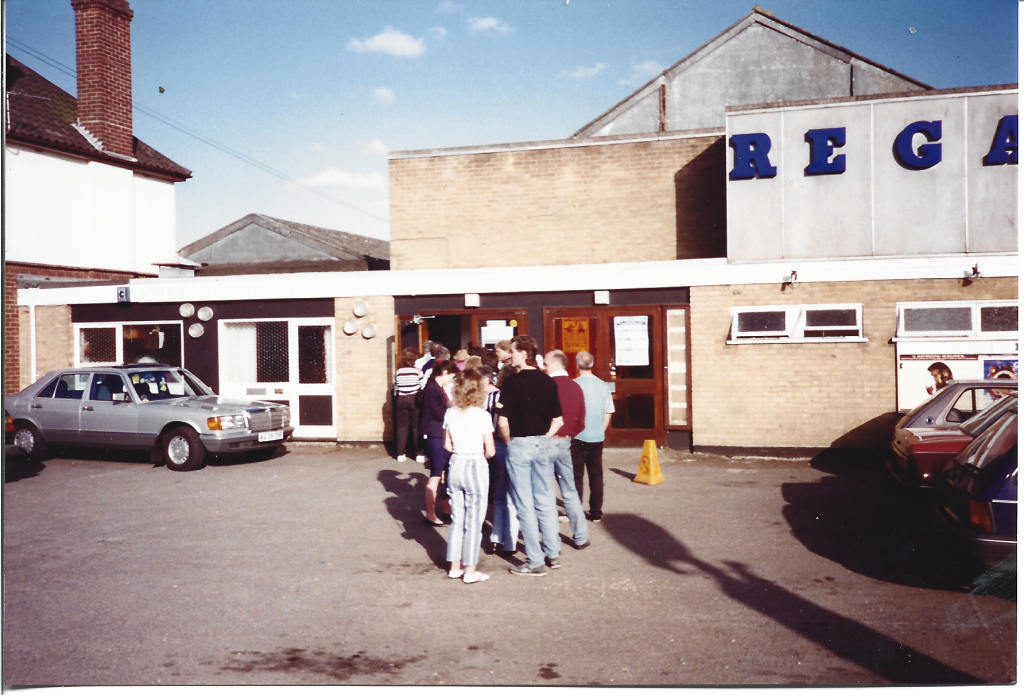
[(456, 329), (628, 349), (289, 361)]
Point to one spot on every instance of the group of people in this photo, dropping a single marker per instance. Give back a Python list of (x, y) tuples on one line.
[(504, 420)]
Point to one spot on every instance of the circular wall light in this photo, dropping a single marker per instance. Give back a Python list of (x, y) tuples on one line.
[(186, 310), (360, 309), (196, 330), (205, 313), (350, 327), (369, 330)]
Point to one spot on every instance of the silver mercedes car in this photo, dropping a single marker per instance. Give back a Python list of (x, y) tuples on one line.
[(155, 407)]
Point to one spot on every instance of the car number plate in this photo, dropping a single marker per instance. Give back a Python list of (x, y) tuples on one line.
[(270, 436)]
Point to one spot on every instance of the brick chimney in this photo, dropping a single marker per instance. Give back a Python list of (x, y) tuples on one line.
[(103, 50)]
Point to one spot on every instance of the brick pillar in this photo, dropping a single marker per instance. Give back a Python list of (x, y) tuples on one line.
[(12, 325), (103, 51)]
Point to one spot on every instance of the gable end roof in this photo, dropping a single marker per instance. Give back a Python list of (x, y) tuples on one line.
[(756, 16)]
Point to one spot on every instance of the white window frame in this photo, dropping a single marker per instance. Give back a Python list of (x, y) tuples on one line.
[(796, 325), (975, 331), (119, 343)]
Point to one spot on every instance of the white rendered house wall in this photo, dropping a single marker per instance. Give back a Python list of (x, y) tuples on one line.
[(73, 212)]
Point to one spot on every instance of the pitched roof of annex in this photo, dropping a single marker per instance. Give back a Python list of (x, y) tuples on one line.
[(42, 114), (341, 245)]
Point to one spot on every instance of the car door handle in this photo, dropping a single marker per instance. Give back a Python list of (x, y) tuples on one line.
[(36, 405), (86, 407)]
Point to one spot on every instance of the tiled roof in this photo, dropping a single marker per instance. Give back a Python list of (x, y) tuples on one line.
[(341, 245), (42, 113)]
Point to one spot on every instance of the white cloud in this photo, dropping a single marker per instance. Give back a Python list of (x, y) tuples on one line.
[(448, 7), (643, 72), (334, 178), (376, 148), (582, 73), (438, 33), (317, 147), (389, 41), (384, 95), (479, 24)]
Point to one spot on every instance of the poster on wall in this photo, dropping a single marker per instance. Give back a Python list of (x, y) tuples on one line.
[(921, 376), (493, 331), (632, 344), (575, 335)]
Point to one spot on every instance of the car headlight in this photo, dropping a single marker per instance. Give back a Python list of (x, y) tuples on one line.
[(226, 422), (286, 415)]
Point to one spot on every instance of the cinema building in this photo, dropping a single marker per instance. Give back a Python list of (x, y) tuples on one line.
[(758, 261)]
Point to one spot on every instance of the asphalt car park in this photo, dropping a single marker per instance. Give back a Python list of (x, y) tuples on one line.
[(314, 567)]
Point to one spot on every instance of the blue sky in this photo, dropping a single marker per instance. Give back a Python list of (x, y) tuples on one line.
[(321, 90)]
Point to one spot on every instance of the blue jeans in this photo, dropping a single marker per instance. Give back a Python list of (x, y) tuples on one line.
[(531, 477), (558, 451), (505, 529)]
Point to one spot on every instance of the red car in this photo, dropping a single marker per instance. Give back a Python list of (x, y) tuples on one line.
[(931, 435)]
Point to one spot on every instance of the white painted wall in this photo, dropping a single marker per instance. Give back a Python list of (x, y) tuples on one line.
[(72, 212), (877, 207)]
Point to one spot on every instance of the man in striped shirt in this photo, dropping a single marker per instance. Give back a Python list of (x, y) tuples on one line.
[(407, 385)]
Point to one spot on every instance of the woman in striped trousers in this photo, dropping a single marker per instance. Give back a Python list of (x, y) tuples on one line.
[(469, 435)]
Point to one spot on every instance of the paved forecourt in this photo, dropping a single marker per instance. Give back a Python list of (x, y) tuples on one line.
[(314, 567)]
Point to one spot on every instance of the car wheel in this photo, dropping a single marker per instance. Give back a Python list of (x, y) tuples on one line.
[(31, 441), (182, 450)]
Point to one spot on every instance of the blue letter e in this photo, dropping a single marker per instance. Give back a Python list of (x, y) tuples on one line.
[(823, 141), (750, 157)]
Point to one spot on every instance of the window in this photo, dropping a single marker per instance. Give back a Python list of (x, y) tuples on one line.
[(104, 386), (797, 323), (127, 343), (989, 319)]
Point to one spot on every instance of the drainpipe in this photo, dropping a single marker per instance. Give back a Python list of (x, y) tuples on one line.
[(32, 333)]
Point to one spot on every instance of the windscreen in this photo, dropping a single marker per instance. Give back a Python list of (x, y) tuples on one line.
[(992, 444), (159, 385)]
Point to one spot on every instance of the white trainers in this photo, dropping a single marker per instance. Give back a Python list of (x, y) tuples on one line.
[(421, 459), (402, 458)]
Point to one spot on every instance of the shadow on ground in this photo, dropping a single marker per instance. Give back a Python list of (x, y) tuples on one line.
[(846, 638), (18, 468), (406, 507), (858, 517)]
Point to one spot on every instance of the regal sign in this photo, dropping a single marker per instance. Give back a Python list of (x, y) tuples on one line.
[(921, 174), (751, 150)]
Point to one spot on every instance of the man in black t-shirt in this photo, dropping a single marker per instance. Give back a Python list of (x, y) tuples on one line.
[(530, 414)]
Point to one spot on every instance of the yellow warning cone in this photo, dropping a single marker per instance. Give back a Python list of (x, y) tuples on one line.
[(650, 472)]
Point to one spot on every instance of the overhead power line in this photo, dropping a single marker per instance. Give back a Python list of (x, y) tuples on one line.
[(206, 140)]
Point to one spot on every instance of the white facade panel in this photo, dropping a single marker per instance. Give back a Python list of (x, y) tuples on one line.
[(72, 212), (756, 205), (155, 240), (924, 193)]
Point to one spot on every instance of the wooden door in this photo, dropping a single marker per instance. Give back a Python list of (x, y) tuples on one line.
[(628, 348)]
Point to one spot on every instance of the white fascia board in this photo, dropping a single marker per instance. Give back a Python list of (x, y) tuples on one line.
[(550, 278)]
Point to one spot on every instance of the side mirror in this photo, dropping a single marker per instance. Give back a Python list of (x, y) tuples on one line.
[(119, 397)]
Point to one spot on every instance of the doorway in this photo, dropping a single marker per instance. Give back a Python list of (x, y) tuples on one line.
[(628, 348)]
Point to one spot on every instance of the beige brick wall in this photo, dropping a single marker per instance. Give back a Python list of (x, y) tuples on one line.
[(806, 395), (55, 341), (645, 201), (365, 371)]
